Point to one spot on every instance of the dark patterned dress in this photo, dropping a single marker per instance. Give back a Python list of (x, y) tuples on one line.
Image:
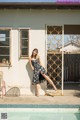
[(37, 77)]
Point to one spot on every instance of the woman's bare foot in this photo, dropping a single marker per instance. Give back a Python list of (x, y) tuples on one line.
[(37, 94), (57, 92)]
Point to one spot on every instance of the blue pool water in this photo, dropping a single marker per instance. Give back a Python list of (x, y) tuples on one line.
[(41, 114)]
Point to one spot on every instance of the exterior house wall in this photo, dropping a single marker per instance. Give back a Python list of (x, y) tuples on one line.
[(20, 73), (71, 48)]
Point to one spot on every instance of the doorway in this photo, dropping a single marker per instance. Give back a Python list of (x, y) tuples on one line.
[(54, 55), (71, 57), (63, 56)]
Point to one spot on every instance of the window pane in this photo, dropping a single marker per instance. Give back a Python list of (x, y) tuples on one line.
[(54, 30), (4, 33), (24, 51), (4, 59), (24, 33), (54, 38), (4, 41), (4, 46), (4, 51), (24, 43)]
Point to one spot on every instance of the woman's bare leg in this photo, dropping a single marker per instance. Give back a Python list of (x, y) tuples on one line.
[(37, 89), (49, 80)]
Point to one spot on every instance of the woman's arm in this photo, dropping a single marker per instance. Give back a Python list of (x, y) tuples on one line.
[(31, 64)]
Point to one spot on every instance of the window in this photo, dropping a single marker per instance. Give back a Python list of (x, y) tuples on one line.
[(24, 43), (4, 47)]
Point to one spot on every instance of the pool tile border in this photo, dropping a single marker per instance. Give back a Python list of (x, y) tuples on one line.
[(38, 106)]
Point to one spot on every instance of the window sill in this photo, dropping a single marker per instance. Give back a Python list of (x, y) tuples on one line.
[(24, 57), (5, 65)]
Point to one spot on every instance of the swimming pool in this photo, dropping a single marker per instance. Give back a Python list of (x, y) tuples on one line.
[(37, 113)]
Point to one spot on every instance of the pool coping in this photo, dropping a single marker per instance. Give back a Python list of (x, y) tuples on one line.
[(39, 106)]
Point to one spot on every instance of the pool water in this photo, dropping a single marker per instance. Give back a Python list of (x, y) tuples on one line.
[(41, 114), (44, 116)]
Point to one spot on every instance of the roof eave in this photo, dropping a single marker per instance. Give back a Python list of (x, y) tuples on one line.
[(38, 5)]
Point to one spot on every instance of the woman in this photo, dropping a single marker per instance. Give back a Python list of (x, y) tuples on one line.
[(38, 71)]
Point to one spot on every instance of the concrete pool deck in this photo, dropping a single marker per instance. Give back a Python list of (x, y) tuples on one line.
[(69, 97)]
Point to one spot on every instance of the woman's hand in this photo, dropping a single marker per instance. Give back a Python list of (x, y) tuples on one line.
[(31, 63), (32, 68)]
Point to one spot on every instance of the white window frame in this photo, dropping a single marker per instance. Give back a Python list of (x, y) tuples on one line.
[(20, 55), (7, 64)]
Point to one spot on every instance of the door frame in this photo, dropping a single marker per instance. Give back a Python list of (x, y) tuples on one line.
[(62, 52)]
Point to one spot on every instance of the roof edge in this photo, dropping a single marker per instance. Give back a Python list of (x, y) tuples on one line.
[(40, 3)]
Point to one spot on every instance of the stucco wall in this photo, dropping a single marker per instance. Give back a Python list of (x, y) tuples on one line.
[(20, 74)]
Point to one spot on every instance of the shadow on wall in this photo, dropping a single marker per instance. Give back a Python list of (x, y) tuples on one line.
[(30, 73)]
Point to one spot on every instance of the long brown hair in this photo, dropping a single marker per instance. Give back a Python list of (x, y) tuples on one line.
[(36, 52)]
